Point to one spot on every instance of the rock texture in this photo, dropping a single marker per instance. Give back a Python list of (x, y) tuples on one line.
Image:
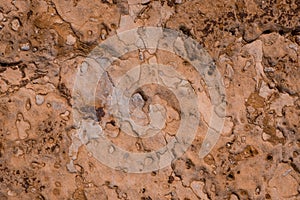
[(255, 47)]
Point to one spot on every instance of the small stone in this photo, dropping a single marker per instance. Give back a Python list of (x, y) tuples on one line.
[(57, 165), (71, 168), (84, 67), (22, 126), (233, 197), (39, 99), (137, 100), (103, 34), (243, 139), (25, 46), (11, 193), (298, 39), (111, 149), (71, 40), (252, 32), (269, 69), (57, 184), (178, 1), (46, 78), (197, 187), (33, 190), (257, 191), (143, 2), (28, 104), (265, 136), (65, 115), (279, 134), (1, 16), (293, 46), (141, 55), (37, 165), (18, 152), (213, 188), (15, 24)]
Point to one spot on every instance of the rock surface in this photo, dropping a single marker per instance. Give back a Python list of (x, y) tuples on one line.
[(255, 47)]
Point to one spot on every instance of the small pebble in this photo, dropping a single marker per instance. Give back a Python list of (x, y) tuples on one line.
[(39, 99), (15, 24), (298, 39), (143, 2), (28, 104), (25, 46), (103, 34), (233, 197), (57, 184), (141, 55), (65, 115), (111, 149), (11, 193), (84, 67), (243, 139), (265, 136), (293, 46), (71, 40)]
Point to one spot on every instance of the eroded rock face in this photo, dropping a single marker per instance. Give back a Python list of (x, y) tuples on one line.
[(44, 45)]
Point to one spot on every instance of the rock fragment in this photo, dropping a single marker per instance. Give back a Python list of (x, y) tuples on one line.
[(71, 40), (15, 24), (22, 126), (252, 32), (25, 46), (39, 99), (197, 187)]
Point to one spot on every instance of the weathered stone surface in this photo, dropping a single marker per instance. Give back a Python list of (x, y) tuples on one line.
[(47, 46)]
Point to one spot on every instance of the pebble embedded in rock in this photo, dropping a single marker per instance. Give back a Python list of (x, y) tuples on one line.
[(25, 46), (103, 34), (65, 115), (71, 40), (22, 126), (15, 24), (298, 39), (39, 99), (11, 193), (266, 136), (252, 32), (143, 2), (233, 197)]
